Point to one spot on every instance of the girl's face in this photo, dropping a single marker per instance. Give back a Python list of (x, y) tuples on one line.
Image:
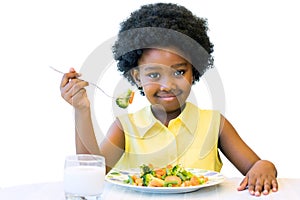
[(166, 78)]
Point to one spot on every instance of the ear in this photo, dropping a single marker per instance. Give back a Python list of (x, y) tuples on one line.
[(135, 73)]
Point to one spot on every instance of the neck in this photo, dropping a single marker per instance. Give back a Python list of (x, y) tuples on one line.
[(163, 116)]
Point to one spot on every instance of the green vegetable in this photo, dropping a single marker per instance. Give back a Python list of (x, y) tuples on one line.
[(145, 169), (170, 183), (147, 178), (148, 174), (177, 169), (183, 174), (169, 172), (123, 100), (130, 180), (115, 173)]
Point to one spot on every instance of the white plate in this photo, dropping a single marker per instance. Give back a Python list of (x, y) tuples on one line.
[(119, 176)]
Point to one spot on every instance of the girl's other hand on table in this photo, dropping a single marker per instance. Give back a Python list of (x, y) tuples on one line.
[(260, 179)]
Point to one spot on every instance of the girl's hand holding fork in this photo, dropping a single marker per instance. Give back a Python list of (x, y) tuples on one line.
[(73, 91)]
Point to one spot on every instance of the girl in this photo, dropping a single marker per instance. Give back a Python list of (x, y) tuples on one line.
[(171, 130)]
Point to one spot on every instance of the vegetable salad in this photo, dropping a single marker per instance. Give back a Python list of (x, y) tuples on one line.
[(169, 176)]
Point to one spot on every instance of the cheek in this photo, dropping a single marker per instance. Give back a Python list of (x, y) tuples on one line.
[(150, 88), (189, 78), (150, 92), (186, 82)]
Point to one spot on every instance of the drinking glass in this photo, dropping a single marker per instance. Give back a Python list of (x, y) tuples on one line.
[(84, 177)]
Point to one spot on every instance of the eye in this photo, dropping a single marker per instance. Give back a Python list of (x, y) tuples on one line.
[(179, 72), (154, 75)]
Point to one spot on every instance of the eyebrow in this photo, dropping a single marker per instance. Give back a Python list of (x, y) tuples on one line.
[(179, 64), (153, 67)]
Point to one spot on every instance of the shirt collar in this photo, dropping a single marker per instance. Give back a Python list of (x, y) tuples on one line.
[(189, 118), (144, 120)]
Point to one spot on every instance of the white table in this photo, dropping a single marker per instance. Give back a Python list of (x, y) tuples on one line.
[(288, 189)]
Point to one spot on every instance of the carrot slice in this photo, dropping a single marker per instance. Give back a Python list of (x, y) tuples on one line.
[(131, 97)]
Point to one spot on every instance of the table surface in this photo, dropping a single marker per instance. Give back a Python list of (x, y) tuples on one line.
[(288, 189)]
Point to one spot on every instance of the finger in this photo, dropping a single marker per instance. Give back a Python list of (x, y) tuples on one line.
[(78, 96), (73, 87), (267, 187), (67, 76), (243, 184), (72, 70), (251, 185), (274, 185), (258, 186), (73, 96), (69, 86)]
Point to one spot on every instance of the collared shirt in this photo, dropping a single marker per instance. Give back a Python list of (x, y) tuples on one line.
[(191, 139)]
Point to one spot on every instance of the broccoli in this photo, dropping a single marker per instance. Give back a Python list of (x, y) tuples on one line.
[(145, 169), (150, 180), (177, 169), (183, 174), (147, 178), (124, 99)]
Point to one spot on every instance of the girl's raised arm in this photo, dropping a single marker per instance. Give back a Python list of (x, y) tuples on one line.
[(113, 145), (73, 91)]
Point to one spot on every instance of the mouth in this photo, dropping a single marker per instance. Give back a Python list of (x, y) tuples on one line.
[(168, 96)]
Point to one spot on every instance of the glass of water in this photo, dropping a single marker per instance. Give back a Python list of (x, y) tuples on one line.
[(84, 176)]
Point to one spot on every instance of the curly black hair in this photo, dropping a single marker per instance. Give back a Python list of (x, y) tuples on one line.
[(163, 25)]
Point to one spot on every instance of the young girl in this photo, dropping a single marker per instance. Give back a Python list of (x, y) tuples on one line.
[(171, 130)]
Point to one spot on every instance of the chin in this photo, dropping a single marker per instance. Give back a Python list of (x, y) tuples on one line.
[(169, 106)]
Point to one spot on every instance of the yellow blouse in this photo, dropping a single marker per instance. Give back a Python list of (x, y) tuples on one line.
[(191, 139)]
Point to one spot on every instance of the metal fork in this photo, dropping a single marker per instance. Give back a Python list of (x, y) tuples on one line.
[(90, 83)]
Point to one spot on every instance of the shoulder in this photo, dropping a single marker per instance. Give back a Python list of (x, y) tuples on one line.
[(205, 118), (115, 128)]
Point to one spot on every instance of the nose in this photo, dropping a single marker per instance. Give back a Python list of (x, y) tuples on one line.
[(167, 83)]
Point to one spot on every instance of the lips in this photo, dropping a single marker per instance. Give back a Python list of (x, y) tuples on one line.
[(168, 96)]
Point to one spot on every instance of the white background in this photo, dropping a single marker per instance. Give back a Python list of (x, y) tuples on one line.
[(256, 55)]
